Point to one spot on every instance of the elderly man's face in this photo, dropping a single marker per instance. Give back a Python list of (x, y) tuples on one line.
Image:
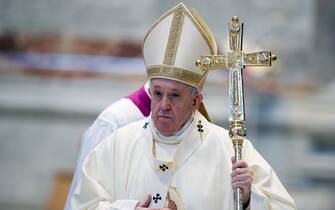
[(172, 103)]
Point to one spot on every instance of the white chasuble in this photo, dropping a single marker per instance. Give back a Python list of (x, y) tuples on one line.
[(123, 170)]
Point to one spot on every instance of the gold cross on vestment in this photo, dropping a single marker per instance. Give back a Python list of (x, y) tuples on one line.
[(236, 60)]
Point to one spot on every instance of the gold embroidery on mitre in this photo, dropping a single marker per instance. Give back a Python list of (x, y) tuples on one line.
[(174, 36), (165, 69), (199, 24), (174, 73)]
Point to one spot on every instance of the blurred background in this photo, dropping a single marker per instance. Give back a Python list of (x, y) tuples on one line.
[(63, 61)]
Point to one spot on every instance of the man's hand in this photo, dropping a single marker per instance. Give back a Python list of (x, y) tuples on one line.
[(241, 177), (143, 205)]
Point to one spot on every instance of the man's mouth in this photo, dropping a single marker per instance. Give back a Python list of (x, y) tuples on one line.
[(164, 116)]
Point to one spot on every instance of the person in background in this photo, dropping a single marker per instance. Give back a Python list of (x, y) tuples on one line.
[(129, 109)]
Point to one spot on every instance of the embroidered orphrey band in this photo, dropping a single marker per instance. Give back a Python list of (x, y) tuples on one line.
[(175, 31), (176, 73)]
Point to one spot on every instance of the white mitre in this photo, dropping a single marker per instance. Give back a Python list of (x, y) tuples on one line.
[(174, 43)]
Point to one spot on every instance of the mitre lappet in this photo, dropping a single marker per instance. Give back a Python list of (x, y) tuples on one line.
[(174, 43)]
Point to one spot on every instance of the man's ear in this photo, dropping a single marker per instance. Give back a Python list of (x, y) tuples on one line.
[(197, 100)]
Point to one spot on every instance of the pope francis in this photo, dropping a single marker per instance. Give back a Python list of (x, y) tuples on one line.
[(176, 158)]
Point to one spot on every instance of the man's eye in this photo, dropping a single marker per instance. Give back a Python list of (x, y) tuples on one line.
[(175, 95), (157, 93)]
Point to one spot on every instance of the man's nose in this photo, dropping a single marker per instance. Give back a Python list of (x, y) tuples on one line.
[(165, 103)]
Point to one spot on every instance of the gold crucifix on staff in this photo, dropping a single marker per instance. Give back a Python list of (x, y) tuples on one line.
[(236, 60)]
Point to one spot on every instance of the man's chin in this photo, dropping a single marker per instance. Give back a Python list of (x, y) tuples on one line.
[(165, 132), (164, 126)]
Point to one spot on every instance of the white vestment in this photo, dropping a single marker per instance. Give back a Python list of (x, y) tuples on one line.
[(123, 169), (116, 115)]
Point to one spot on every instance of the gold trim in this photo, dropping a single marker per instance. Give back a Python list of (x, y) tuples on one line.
[(175, 73), (202, 109), (199, 23), (262, 58), (160, 19), (205, 34), (154, 148), (178, 195), (206, 30), (174, 36)]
